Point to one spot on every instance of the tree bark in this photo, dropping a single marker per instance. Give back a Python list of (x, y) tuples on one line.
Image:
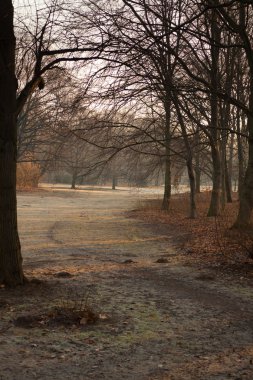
[(11, 272)]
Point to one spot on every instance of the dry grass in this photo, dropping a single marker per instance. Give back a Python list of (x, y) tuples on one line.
[(205, 238)]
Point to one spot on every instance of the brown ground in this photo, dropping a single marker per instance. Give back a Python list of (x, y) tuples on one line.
[(204, 241), (172, 320)]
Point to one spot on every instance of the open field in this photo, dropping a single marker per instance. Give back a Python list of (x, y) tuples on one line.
[(156, 321)]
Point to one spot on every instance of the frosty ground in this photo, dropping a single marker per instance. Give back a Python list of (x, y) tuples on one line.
[(158, 320)]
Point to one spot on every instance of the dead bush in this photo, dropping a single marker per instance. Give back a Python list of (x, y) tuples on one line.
[(28, 175), (74, 310)]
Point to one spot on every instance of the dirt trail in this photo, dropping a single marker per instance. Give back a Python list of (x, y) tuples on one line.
[(163, 321)]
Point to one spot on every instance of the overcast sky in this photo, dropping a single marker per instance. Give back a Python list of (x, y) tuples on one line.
[(27, 6)]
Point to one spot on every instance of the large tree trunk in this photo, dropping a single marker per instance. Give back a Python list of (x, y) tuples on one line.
[(246, 196), (11, 273), (246, 187), (246, 193)]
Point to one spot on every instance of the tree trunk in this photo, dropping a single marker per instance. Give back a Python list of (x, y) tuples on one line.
[(198, 179), (214, 208), (167, 184), (223, 175), (11, 272), (240, 152), (167, 177), (246, 198), (74, 178), (228, 183), (197, 163), (224, 116), (114, 182), (189, 159), (246, 195), (193, 208), (230, 165)]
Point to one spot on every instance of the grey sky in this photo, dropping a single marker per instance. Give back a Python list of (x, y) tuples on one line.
[(27, 7)]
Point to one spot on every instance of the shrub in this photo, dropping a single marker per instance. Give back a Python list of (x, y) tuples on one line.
[(28, 175)]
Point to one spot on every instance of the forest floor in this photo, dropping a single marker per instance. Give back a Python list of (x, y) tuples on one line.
[(119, 293)]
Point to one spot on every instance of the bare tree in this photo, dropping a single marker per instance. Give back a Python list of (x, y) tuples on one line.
[(45, 55), (11, 272)]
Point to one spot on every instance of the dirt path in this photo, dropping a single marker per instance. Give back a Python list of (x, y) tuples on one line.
[(158, 321)]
